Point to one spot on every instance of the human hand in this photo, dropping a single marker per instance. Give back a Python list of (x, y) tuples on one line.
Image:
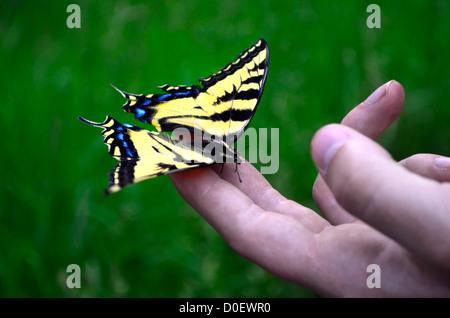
[(386, 215)]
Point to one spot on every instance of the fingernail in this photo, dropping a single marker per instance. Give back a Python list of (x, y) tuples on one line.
[(326, 143), (378, 93), (442, 162)]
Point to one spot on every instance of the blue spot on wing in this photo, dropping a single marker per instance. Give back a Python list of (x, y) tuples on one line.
[(127, 149), (162, 97), (120, 136), (128, 125), (129, 153), (147, 102), (183, 93), (139, 112)]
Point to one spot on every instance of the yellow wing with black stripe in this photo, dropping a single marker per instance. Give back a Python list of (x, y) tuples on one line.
[(144, 154), (223, 107)]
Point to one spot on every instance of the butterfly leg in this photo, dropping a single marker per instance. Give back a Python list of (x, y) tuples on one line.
[(237, 171)]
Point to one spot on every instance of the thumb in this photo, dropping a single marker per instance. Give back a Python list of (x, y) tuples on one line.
[(369, 184)]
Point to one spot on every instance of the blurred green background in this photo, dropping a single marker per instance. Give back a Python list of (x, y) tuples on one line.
[(145, 241)]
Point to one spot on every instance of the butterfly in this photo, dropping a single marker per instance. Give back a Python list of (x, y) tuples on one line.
[(218, 112)]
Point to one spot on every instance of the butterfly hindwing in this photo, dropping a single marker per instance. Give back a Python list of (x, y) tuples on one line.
[(145, 154), (224, 105)]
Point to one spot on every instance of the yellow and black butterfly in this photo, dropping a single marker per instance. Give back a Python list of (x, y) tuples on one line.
[(219, 112)]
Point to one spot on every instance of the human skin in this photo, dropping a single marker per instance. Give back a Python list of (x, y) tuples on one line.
[(375, 211)]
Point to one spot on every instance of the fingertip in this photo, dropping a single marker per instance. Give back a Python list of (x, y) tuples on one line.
[(396, 97), (378, 94), (395, 87), (430, 166), (387, 89), (442, 162), (329, 141), (326, 142), (193, 174), (373, 116), (186, 181)]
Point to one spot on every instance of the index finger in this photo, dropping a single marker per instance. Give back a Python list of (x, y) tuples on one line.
[(253, 186), (264, 237)]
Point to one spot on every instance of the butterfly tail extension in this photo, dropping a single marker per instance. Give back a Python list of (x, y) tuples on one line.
[(88, 122), (137, 105), (124, 94)]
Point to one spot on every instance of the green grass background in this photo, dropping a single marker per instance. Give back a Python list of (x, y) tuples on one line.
[(146, 241)]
